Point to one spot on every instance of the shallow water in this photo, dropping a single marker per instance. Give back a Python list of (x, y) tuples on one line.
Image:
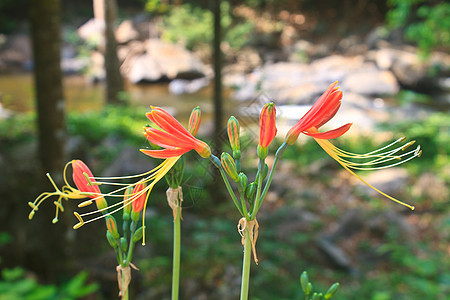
[(16, 94)]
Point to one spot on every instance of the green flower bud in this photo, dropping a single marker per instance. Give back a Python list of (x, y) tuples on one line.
[(331, 291), (250, 193), (123, 244), (229, 166), (137, 236), (194, 121), (304, 280), (243, 181), (233, 136), (111, 240), (317, 296), (127, 205), (111, 224)]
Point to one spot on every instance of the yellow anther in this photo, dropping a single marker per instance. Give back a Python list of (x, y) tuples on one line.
[(55, 220), (33, 206), (420, 153), (81, 223), (78, 225), (413, 207), (407, 145), (87, 194), (401, 139), (85, 203), (59, 206), (31, 215), (77, 215)]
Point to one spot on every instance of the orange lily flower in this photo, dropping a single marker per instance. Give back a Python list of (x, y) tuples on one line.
[(171, 136), (320, 113), (326, 108)]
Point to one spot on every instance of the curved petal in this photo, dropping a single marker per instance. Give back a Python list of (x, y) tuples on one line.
[(165, 153), (166, 122), (164, 139), (331, 134)]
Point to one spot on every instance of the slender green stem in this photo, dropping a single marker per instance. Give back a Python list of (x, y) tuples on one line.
[(259, 200), (130, 251), (243, 204), (218, 165), (256, 204), (246, 265), (176, 255)]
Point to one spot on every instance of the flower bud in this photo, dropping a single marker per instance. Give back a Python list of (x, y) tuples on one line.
[(111, 240), (229, 166), (317, 296), (243, 181), (267, 126), (331, 291), (194, 121), (233, 136), (111, 224), (250, 193), (137, 236), (123, 244), (304, 280), (126, 203), (139, 197)]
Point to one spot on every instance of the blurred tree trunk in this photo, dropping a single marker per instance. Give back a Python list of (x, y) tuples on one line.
[(114, 80), (45, 21), (217, 60), (45, 25)]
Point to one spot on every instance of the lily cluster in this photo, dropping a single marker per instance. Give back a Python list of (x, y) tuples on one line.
[(171, 140)]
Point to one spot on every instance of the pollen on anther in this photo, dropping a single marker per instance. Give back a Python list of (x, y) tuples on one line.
[(59, 206), (420, 153), (407, 145), (85, 203), (31, 215), (55, 220), (33, 206), (78, 225)]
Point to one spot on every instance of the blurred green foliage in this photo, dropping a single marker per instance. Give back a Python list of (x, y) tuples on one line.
[(425, 23), (192, 25), (17, 284)]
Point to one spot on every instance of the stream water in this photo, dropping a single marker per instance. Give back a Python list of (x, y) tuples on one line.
[(17, 95)]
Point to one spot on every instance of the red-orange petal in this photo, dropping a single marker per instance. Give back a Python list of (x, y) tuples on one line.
[(139, 202), (164, 139), (165, 153), (80, 180), (331, 134), (267, 125)]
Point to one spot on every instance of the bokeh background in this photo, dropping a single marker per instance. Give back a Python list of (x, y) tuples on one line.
[(97, 67)]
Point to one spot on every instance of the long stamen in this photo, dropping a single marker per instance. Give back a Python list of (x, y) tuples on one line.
[(369, 153), (330, 149), (156, 174), (382, 160)]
